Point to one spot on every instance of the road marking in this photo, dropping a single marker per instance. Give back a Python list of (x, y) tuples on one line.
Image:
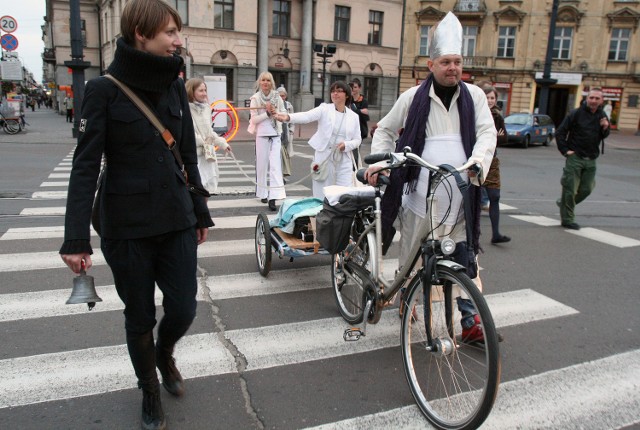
[(538, 220), (213, 203), (613, 404), (51, 303), (505, 207), (57, 376), (59, 175), (58, 210), (605, 237), (233, 190), (78, 373), (586, 232), (23, 233), (55, 184), (62, 169), (51, 259)]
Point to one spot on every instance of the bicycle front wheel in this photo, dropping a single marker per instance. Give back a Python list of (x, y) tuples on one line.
[(11, 126), (454, 382), (350, 279)]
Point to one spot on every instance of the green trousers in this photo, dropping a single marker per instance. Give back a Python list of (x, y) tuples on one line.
[(578, 180)]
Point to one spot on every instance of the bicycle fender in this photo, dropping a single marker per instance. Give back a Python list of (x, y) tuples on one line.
[(451, 264)]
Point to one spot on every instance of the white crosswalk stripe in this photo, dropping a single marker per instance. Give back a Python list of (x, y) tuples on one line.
[(558, 398)]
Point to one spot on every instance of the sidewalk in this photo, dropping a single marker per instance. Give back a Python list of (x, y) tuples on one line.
[(47, 126), (44, 126)]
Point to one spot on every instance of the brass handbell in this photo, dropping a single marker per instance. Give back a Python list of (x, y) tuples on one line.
[(84, 290)]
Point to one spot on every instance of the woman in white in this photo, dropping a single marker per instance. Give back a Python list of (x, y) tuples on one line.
[(265, 105), (337, 136), (207, 141)]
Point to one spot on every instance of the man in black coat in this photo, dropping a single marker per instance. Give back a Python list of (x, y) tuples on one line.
[(578, 139), (151, 225)]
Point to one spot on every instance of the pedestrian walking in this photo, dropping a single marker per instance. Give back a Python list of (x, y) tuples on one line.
[(265, 104), (492, 184), (337, 136), (578, 138), (445, 121), (151, 225), (68, 105), (207, 140)]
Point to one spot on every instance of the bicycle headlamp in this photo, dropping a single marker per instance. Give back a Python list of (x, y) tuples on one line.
[(447, 246)]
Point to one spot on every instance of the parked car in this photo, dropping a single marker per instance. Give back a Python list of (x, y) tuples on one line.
[(526, 128)]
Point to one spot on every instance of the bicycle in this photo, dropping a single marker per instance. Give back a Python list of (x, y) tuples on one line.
[(10, 125), (453, 381)]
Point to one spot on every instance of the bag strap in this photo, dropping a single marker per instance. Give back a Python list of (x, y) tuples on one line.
[(164, 132)]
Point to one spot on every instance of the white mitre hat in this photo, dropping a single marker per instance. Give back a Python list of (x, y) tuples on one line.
[(447, 37)]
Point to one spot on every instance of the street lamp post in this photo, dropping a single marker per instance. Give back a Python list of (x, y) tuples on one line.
[(77, 65), (546, 81), (324, 52)]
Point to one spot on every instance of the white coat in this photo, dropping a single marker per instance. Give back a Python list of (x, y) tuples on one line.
[(325, 115)]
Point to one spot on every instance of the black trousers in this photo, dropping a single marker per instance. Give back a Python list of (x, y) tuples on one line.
[(168, 260)]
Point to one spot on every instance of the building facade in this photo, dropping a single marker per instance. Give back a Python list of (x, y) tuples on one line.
[(595, 44), (306, 44)]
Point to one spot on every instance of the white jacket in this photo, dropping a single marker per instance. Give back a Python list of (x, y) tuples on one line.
[(201, 115), (325, 114)]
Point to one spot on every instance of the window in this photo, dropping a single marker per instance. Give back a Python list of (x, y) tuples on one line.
[(469, 35), (424, 39), (341, 24), (223, 14), (370, 90), (182, 6), (375, 27), (562, 43), (619, 44), (83, 32), (506, 41), (281, 17)]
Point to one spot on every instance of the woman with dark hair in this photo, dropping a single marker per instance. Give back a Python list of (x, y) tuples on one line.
[(337, 136), (492, 182), (151, 225)]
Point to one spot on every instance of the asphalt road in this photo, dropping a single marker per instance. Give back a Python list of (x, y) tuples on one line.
[(268, 352)]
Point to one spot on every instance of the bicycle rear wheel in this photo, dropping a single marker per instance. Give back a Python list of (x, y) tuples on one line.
[(350, 280), (454, 383)]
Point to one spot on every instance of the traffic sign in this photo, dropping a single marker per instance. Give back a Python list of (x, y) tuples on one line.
[(8, 24), (9, 42)]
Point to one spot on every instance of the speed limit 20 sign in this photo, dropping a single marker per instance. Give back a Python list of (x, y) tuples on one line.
[(8, 24)]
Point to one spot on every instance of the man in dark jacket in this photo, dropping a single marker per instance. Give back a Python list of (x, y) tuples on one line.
[(151, 225), (578, 139)]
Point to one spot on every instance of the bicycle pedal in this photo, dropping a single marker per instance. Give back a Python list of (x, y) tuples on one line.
[(352, 334)]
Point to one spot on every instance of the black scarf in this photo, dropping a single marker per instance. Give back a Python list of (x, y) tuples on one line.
[(413, 136), (143, 71)]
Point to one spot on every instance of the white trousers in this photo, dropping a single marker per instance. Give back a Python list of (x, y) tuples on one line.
[(408, 224), (270, 184)]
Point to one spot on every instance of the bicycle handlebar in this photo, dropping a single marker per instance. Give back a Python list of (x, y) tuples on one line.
[(399, 159), (374, 158)]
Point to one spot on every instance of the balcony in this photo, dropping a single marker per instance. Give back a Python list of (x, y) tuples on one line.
[(49, 56), (475, 62), (466, 6)]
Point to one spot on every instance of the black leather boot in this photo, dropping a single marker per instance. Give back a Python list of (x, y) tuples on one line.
[(152, 413), (272, 205), (171, 378)]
